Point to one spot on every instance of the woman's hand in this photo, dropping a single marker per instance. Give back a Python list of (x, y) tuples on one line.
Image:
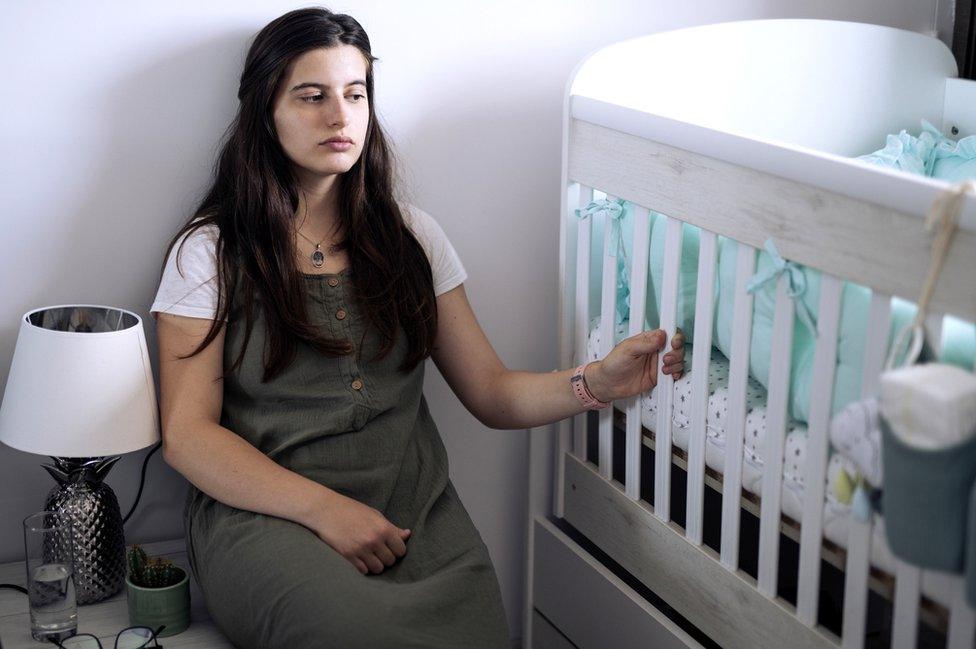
[(360, 533), (631, 366)]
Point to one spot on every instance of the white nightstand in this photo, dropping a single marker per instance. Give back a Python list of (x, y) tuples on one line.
[(106, 618)]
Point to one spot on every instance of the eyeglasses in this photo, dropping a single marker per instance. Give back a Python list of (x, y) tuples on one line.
[(135, 637)]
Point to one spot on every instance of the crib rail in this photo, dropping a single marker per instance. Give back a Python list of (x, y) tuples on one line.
[(813, 227), (810, 226)]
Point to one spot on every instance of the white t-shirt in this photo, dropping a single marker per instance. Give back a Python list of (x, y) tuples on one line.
[(193, 292)]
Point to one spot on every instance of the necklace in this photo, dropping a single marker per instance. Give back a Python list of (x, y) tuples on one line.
[(318, 256)]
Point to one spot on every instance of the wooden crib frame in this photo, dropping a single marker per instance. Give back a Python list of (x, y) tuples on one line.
[(819, 209)]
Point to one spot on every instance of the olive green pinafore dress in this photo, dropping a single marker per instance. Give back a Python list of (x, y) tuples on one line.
[(363, 429)]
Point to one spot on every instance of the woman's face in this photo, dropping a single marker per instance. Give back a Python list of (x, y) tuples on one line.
[(323, 98)]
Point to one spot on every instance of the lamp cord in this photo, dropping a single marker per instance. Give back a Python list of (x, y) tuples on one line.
[(142, 479), (142, 483)]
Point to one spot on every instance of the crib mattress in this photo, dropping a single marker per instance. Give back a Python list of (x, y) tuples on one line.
[(837, 514)]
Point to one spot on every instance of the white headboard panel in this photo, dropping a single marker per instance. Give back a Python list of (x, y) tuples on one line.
[(960, 108), (834, 86)]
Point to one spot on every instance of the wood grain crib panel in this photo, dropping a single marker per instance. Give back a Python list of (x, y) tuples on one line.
[(723, 603), (811, 226)]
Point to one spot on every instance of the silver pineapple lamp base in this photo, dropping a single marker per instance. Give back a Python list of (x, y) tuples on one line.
[(99, 541)]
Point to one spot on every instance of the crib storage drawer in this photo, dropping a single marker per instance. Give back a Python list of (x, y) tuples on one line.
[(546, 636), (590, 605), (724, 604)]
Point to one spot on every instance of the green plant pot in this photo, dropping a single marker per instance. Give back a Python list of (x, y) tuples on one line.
[(153, 607)]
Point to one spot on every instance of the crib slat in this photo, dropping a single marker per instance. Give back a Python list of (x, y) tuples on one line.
[(665, 384), (904, 628), (608, 318), (776, 423), (856, 584), (933, 337), (859, 538), (908, 578), (879, 323), (583, 238), (933, 332), (962, 618), (738, 377), (821, 398), (701, 356), (638, 302)]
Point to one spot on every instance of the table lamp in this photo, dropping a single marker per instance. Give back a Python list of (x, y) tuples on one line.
[(81, 390)]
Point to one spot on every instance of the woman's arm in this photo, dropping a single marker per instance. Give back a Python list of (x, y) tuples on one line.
[(215, 459), (229, 469), (506, 399)]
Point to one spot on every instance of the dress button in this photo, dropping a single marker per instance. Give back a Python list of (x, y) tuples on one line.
[(333, 281), (357, 385), (341, 314)]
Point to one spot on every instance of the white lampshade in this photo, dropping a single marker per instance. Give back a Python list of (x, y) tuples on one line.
[(80, 384)]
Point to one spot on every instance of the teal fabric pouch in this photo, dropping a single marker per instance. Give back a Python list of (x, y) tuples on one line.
[(971, 549), (929, 505)]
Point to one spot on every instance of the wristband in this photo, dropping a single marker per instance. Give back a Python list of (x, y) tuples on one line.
[(582, 391)]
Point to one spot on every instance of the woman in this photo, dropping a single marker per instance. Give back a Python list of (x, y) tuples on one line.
[(320, 513)]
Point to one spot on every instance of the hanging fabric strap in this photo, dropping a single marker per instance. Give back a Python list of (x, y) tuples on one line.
[(613, 213), (944, 217), (796, 282)]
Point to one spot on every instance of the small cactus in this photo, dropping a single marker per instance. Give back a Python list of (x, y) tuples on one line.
[(152, 572), (137, 563)]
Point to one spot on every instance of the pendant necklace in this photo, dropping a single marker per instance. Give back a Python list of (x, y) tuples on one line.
[(318, 256)]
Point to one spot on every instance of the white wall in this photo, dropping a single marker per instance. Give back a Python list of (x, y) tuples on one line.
[(111, 116)]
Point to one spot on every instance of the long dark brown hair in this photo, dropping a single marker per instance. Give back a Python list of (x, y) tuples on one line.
[(254, 198)]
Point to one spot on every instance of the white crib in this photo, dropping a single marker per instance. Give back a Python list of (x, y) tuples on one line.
[(745, 130)]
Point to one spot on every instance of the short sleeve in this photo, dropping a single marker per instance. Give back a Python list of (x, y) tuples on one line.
[(444, 261), (191, 289)]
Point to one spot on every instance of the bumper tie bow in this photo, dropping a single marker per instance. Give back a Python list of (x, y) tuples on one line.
[(796, 281), (613, 213)]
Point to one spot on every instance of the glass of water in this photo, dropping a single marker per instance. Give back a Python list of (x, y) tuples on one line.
[(50, 576)]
